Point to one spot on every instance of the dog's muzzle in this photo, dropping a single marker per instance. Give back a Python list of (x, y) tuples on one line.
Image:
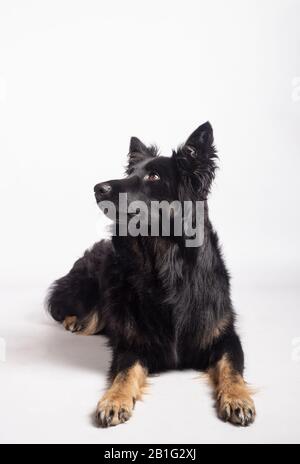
[(102, 191)]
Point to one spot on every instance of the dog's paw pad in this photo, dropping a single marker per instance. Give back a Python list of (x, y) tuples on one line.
[(71, 324), (113, 412), (237, 411)]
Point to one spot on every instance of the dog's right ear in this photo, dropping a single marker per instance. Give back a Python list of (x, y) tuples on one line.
[(138, 152)]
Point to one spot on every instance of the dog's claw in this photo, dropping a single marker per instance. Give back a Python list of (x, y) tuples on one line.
[(71, 324), (238, 412), (111, 413)]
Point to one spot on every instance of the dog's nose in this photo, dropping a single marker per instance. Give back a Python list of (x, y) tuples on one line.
[(101, 190)]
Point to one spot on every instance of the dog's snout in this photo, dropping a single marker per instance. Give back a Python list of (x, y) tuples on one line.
[(101, 190)]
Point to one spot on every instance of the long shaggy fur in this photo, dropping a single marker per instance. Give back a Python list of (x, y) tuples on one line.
[(161, 304)]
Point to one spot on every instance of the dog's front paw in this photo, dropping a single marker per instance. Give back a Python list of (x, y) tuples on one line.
[(72, 324), (238, 411), (88, 325), (113, 411)]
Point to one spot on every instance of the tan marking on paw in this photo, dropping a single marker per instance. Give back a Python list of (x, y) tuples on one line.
[(118, 402), (233, 396), (90, 325), (114, 410), (239, 410), (70, 323)]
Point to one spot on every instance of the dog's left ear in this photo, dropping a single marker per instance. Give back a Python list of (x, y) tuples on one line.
[(200, 142), (196, 160), (138, 152)]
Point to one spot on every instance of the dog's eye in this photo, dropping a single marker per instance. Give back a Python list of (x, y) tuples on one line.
[(152, 177)]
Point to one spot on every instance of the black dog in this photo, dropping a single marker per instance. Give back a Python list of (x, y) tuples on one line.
[(161, 304)]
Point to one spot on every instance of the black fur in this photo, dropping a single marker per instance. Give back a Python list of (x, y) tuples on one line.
[(161, 303)]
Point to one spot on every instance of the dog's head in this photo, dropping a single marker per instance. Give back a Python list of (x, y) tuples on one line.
[(185, 176)]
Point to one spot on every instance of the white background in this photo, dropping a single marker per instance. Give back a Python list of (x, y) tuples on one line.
[(77, 79)]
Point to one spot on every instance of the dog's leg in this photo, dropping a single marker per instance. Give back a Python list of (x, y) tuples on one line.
[(233, 396), (73, 299), (75, 294), (118, 402)]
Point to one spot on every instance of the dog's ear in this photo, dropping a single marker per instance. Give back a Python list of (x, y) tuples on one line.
[(195, 161), (138, 152), (200, 142), (136, 146)]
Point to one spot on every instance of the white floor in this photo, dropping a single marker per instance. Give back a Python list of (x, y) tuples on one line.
[(51, 380), (106, 71)]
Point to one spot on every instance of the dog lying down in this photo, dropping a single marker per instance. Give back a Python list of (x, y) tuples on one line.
[(158, 290)]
